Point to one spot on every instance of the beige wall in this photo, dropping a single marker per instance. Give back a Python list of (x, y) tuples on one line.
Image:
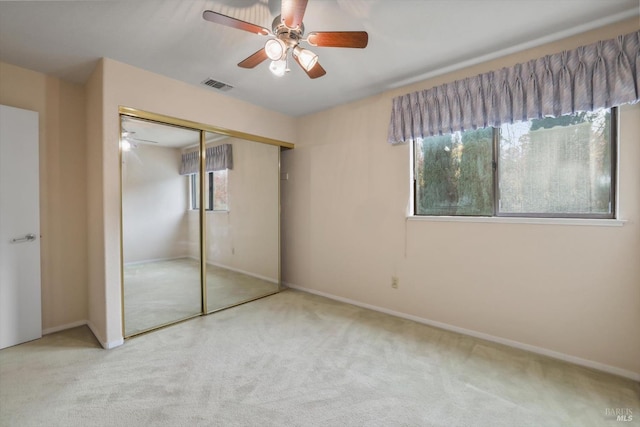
[(95, 246), (573, 290), (154, 204), (62, 189), (117, 85)]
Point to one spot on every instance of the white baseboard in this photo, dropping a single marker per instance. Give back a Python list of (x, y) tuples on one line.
[(107, 345), (515, 344), (247, 273), (64, 327), (147, 261), (112, 344), (237, 270)]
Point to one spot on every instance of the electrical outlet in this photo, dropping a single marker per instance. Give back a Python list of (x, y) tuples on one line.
[(395, 282)]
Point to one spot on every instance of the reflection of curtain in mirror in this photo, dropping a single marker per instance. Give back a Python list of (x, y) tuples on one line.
[(217, 158), (190, 163)]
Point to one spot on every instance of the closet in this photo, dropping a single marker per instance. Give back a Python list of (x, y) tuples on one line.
[(200, 219)]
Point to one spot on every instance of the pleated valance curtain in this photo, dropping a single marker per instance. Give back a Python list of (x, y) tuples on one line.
[(216, 158), (190, 163), (219, 157), (600, 75)]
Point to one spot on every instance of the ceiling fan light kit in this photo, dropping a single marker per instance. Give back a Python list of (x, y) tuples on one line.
[(279, 67), (125, 145), (306, 58), (275, 49), (287, 32)]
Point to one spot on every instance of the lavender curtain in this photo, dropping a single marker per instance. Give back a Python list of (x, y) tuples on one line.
[(600, 75), (217, 158)]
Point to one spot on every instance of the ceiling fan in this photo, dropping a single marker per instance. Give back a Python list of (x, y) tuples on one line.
[(286, 34), (129, 141), (130, 135)]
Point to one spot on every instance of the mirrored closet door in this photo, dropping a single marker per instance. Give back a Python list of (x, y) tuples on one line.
[(161, 265), (178, 205), (242, 221)]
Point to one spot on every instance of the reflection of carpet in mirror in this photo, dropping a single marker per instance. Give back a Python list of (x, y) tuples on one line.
[(160, 292)]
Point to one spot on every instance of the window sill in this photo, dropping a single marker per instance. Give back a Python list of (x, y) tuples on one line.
[(522, 220), (209, 211)]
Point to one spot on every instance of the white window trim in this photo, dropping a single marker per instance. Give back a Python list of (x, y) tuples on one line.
[(521, 220), (597, 222)]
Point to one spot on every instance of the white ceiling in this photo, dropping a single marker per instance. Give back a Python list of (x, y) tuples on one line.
[(409, 40)]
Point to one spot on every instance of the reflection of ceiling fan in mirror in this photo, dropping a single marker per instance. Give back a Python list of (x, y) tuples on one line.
[(286, 35), (130, 136), (136, 132), (128, 140)]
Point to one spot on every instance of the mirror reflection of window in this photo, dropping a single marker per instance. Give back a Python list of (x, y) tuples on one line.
[(216, 192)]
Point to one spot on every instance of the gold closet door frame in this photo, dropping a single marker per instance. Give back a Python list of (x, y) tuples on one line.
[(202, 128), (146, 115)]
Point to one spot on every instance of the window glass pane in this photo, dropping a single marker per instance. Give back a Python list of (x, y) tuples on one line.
[(454, 174), (556, 166), (216, 196), (220, 202), (194, 191), (209, 194)]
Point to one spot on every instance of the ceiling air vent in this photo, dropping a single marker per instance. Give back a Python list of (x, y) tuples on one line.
[(217, 85)]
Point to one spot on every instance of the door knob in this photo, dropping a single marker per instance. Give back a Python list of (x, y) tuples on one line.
[(26, 238)]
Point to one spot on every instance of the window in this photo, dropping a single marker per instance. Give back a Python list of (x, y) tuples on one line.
[(550, 167), (216, 194)]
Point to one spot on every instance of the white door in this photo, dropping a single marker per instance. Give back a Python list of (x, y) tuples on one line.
[(20, 305)]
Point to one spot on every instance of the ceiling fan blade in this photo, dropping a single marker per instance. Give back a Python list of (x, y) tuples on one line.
[(254, 59), (293, 12), (315, 72), (129, 136), (143, 140), (228, 21), (356, 39)]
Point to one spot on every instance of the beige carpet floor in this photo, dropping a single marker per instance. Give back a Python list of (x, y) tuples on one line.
[(161, 292), (295, 359)]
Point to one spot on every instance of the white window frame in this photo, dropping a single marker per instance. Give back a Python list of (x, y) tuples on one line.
[(526, 218)]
